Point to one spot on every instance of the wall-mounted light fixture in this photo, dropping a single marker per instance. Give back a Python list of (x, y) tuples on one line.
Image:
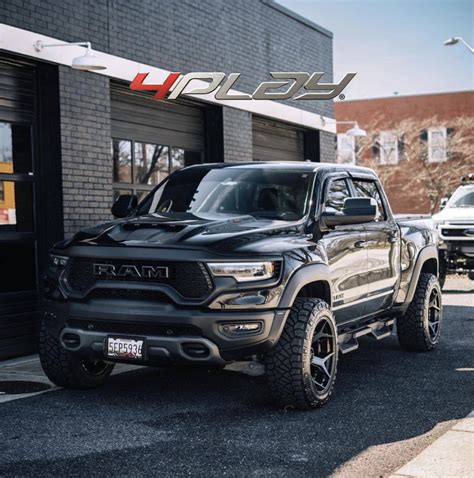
[(86, 62), (354, 131)]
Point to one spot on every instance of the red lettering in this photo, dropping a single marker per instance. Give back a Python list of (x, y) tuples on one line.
[(161, 90)]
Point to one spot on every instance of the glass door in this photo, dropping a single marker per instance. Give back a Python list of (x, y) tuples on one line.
[(18, 240)]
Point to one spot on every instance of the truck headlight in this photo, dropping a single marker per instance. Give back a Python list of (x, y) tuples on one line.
[(58, 261), (243, 271)]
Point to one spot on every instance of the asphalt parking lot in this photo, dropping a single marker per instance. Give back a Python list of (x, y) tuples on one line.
[(388, 406)]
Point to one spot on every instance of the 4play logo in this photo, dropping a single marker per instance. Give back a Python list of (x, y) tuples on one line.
[(298, 85)]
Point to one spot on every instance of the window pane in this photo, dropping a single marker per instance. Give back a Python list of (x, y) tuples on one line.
[(388, 145), (141, 194), (15, 148), (338, 192), (122, 157), (181, 158), (437, 141), (119, 192), (177, 159), (151, 163), (368, 189), (17, 256), (345, 149), (16, 208)]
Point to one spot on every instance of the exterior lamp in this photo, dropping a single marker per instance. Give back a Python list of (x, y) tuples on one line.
[(455, 40), (86, 62), (354, 131)]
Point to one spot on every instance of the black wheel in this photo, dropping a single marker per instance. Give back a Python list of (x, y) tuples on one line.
[(301, 368), (419, 328), (65, 369)]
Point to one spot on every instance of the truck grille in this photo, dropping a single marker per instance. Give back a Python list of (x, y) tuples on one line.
[(468, 232), (190, 279)]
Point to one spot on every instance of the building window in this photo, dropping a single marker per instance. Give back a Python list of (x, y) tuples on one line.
[(346, 153), (388, 147), (139, 166), (437, 145), (2, 192)]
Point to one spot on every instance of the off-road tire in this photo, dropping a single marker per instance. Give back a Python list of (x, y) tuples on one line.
[(65, 369), (288, 364), (413, 328)]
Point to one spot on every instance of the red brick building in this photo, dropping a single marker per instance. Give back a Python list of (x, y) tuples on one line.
[(420, 145)]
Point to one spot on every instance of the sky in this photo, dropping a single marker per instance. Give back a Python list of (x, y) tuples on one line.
[(396, 45)]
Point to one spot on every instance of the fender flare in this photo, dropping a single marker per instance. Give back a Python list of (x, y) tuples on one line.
[(427, 253), (303, 276)]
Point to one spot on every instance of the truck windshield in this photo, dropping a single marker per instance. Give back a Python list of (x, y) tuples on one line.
[(462, 198), (205, 192)]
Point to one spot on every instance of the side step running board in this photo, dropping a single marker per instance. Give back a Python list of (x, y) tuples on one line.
[(379, 330)]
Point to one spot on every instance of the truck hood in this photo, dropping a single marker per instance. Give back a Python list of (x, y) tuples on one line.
[(231, 234), (449, 214)]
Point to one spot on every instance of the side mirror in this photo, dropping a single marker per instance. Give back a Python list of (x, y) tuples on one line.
[(443, 203), (124, 205), (355, 211)]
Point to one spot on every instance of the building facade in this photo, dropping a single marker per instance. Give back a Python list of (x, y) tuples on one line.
[(70, 140), (420, 145)]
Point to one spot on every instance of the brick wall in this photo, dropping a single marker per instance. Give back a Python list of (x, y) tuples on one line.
[(237, 129), (252, 37), (430, 110), (327, 144), (85, 145)]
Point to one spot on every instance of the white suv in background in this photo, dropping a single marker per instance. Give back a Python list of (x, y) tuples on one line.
[(455, 223)]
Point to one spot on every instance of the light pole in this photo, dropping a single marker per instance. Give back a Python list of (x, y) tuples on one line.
[(455, 40)]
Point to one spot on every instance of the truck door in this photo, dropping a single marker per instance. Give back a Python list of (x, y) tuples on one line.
[(347, 256), (383, 249)]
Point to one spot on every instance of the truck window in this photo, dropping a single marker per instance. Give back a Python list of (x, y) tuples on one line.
[(366, 188), (337, 193)]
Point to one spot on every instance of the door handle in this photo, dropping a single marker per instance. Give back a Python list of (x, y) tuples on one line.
[(360, 244)]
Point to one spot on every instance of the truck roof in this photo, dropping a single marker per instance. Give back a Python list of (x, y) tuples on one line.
[(288, 166)]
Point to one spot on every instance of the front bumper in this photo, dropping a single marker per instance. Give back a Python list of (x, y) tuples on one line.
[(459, 255), (173, 334)]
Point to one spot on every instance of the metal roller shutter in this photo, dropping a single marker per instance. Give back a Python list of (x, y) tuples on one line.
[(137, 116), (276, 141)]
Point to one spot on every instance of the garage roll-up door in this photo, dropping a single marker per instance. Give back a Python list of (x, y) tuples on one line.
[(151, 139), (276, 141), (138, 116)]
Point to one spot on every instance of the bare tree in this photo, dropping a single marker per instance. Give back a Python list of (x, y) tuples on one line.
[(432, 167)]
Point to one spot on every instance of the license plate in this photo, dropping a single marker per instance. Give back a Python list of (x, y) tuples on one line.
[(125, 348)]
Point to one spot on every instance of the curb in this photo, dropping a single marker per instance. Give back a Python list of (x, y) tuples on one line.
[(451, 455)]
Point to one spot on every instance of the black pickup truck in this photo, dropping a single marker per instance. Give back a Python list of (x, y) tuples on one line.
[(287, 264)]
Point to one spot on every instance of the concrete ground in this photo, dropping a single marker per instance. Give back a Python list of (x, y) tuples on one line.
[(389, 406)]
